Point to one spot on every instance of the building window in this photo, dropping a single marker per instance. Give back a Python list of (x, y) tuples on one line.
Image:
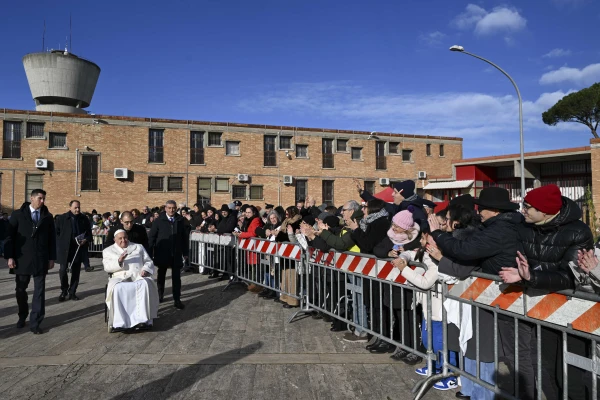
[(380, 160), (301, 151), (428, 150), (214, 139), (175, 184), (155, 145), (156, 183), (356, 153), (196, 147), (256, 192), (441, 150), (58, 140), (232, 148), (35, 130), (12, 140), (285, 142), (204, 188), (342, 145), (328, 193), (327, 146), (33, 182), (222, 185), (238, 192), (89, 172), (393, 148), (370, 186), (269, 150), (301, 189), (406, 155)]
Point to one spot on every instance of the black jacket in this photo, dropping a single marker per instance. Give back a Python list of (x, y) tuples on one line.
[(375, 232), (137, 234), (460, 270), (550, 247), (281, 235), (496, 245), (66, 239), (144, 220), (31, 246), (228, 224), (3, 228), (168, 241)]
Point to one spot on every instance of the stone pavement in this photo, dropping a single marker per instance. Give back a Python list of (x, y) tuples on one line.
[(224, 345)]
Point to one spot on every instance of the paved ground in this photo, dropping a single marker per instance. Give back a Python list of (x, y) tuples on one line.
[(224, 345)]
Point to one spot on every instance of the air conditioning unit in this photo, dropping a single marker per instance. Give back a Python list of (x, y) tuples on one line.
[(422, 175), (384, 181), (288, 179), (41, 163), (243, 177), (121, 173)]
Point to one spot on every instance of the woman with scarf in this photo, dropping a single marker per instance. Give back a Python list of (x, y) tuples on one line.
[(251, 223), (271, 231), (290, 225), (403, 235), (366, 234)]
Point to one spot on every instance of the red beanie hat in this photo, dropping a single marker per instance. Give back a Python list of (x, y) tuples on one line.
[(546, 199)]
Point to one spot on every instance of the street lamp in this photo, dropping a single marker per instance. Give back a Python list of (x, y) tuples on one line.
[(461, 49)]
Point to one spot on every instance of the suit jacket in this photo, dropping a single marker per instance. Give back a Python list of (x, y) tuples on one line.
[(168, 241), (32, 246), (137, 234), (65, 238)]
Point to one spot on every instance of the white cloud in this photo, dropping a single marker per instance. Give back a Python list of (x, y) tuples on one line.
[(432, 38), (500, 19), (470, 115), (582, 77), (554, 53)]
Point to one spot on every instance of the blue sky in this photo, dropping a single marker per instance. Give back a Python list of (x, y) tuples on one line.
[(376, 65)]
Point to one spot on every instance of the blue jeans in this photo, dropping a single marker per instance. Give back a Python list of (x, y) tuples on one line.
[(487, 373), (359, 310), (437, 344)]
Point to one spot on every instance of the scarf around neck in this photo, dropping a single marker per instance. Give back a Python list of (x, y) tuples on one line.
[(372, 217), (403, 238)]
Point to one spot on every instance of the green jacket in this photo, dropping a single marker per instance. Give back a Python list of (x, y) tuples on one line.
[(343, 242)]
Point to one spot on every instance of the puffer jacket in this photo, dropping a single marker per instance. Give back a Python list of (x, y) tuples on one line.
[(550, 247), (496, 245)]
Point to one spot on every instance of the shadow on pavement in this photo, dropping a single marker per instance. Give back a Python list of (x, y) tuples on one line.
[(180, 380)]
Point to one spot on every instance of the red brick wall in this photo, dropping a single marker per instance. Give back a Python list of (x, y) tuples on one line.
[(123, 143)]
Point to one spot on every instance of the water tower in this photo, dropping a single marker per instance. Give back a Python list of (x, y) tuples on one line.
[(60, 81)]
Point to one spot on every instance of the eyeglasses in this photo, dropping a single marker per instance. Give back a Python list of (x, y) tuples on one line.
[(528, 207)]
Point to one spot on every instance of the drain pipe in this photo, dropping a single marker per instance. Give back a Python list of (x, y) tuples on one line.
[(76, 168)]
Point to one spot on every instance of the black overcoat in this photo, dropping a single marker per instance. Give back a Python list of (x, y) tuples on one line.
[(137, 234), (168, 241), (32, 246), (64, 236)]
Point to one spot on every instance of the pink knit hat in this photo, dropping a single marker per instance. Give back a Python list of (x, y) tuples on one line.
[(404, 219)]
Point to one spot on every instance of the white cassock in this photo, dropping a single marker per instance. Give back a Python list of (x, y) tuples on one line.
[(130, 298)]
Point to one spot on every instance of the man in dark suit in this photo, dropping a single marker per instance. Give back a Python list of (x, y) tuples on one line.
[(135, 233), (73, 232), (169, 245), (30, 249)]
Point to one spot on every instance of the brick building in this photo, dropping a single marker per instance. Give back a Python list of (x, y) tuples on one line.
[(199, 161)]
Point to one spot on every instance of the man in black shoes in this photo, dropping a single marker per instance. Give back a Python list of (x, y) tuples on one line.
[(168, 241), (73, 232), (30, 249)]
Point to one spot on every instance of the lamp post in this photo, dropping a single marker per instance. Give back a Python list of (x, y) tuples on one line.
[(461, 49)]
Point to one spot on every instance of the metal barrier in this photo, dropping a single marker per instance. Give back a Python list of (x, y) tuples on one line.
[(517, 311), (97, 244), (511, 316)]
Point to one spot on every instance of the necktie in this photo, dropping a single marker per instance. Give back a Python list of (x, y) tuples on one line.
[(171, 219), (35, 216)]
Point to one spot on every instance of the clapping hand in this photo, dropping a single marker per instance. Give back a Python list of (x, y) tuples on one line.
[(434, 224), (433, 251), (352, 224), (587, 260), (512, 275)]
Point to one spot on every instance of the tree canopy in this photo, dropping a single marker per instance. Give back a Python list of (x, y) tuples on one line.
[(582, 107)]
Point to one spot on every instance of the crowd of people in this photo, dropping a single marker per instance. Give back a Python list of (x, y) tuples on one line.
[(544, 246)]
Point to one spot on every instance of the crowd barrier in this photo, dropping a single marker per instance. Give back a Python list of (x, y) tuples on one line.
[(371, 296), (97, 244)]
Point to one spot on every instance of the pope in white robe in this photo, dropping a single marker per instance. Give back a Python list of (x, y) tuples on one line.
[(132, 295)]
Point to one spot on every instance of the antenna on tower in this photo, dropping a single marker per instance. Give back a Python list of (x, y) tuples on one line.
[(44, 35), (70, 33)]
